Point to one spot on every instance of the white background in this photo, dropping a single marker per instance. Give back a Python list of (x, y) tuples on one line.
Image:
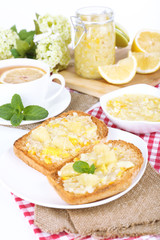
[(134, 15)]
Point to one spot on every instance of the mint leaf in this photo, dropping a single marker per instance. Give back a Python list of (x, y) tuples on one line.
[(15, 53), (16, 103), (34, 112), (16, 119), (83, 167), (6, 111), (92, 169)]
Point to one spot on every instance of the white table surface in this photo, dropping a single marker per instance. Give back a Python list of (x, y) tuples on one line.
[(13, 224)]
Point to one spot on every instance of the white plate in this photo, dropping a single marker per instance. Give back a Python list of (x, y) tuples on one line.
[(7, 137), (34, 187), (132, 126), (59, 104)]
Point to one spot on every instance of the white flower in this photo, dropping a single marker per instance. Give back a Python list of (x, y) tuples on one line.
[(7, 41), (55, 24), (53, 51)]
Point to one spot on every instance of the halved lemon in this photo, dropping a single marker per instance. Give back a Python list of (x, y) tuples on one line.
[(120, 73), (21, 75), (146, 41), (146, 62)]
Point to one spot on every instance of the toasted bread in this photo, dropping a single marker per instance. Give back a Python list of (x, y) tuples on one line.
[(37, 149), (77, 189)]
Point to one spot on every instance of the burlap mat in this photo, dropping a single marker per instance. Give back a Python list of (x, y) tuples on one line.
[(134, 214)]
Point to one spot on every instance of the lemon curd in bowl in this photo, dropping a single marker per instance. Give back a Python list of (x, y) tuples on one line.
[(126, 107), (135, 108)]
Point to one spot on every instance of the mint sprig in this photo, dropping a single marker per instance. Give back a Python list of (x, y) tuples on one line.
[(83, 167), (16, 112)]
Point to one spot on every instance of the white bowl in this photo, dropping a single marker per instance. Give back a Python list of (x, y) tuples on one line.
[(132, 126)]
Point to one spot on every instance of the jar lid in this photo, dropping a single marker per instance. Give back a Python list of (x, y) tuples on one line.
[(95, 14)]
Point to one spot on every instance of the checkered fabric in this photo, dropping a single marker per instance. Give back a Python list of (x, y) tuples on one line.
[(153, 143)]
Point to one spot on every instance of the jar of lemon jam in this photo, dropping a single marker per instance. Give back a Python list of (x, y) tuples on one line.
[(94, 40)]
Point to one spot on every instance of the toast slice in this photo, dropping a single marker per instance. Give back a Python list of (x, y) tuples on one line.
[(58, 140), (115, 164)]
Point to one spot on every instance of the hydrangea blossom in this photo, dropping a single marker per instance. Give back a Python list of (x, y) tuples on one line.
[(53, 51), (7, 41), (55, 24)]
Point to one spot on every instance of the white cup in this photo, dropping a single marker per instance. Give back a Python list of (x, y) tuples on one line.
[(41, 91)]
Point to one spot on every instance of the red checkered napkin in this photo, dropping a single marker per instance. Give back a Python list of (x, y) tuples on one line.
[(153, 143)]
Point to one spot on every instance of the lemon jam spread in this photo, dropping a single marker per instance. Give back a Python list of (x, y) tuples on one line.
[(135, 107), (110, 162), (62, 137), (96, 47)]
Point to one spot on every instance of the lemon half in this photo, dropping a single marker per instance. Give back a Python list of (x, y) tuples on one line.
[(120, 73), (146, 62), (146, 41)]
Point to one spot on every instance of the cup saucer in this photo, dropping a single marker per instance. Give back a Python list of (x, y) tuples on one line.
[(54, 107)]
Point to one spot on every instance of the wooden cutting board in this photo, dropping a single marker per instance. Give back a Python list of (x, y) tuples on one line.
[(98, 88)]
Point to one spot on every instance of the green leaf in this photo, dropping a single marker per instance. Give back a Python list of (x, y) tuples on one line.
[(31, 53), (92, 169), (22, 47), (37, 16), (15, 53), (83, 167), (14, 28), (25, 46), (37, 29), (16, 119), (29, 39), (16, 103), (34, 112), (23, 34), (6, 111)]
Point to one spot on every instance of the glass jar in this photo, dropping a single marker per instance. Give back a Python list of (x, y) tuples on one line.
[(94, 40)]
